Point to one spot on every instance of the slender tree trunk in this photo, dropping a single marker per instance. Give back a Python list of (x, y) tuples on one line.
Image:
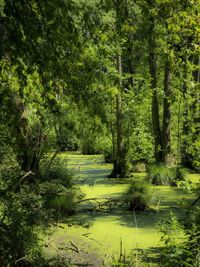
[(119, 166), (112, 128), (119, 163), (155, 107), (166, 114), (119, 112), (185, 157)]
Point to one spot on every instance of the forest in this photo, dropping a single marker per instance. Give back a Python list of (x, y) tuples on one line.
[(100, 133)]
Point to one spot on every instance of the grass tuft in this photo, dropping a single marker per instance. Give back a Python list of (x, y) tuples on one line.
[(138, 195)]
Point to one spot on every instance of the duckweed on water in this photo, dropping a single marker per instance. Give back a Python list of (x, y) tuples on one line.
[(103, 231)]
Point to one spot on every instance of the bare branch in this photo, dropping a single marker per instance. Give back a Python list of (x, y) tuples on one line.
[(196, 200), (21, 259), (76, 248)]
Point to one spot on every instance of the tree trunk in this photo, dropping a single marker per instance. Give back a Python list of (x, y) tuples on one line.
[(28, 146), (166, 114), (119, 163), (112, 129), (185, 157), (27, 154), (119, 112), (155, 107)]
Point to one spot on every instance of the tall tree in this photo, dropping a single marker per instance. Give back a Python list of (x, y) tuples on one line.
[(120, 164), (152, 35), (37, 37), (166, 144)]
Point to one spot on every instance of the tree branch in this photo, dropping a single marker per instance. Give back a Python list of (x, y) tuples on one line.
[(26, 175), (196, 200)]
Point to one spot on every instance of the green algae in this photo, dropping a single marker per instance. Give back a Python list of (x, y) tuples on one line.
[(194, 178), (102, 232)]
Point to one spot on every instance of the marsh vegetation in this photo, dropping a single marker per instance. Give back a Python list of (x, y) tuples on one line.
[(99, 133)]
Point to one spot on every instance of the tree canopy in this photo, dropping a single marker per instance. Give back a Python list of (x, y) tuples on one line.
[(114, 77)]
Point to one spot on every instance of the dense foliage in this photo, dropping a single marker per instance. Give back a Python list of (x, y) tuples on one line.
[(113, 77)]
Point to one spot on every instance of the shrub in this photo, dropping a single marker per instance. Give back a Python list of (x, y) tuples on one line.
[(181, 173), (9, 176), (56, 172), (60, 199), (175, 252), (161, 175), (28, 206), (192, 226), (134, 259), (138, 195), (58, 188), (22, 214)]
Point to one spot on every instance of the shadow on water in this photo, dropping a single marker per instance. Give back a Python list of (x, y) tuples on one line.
[(147, 219), (121, 216), (96, 173), (171, 196)]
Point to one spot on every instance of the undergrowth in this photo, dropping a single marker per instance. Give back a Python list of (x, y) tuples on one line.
[(164, 175), (138, 195)]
